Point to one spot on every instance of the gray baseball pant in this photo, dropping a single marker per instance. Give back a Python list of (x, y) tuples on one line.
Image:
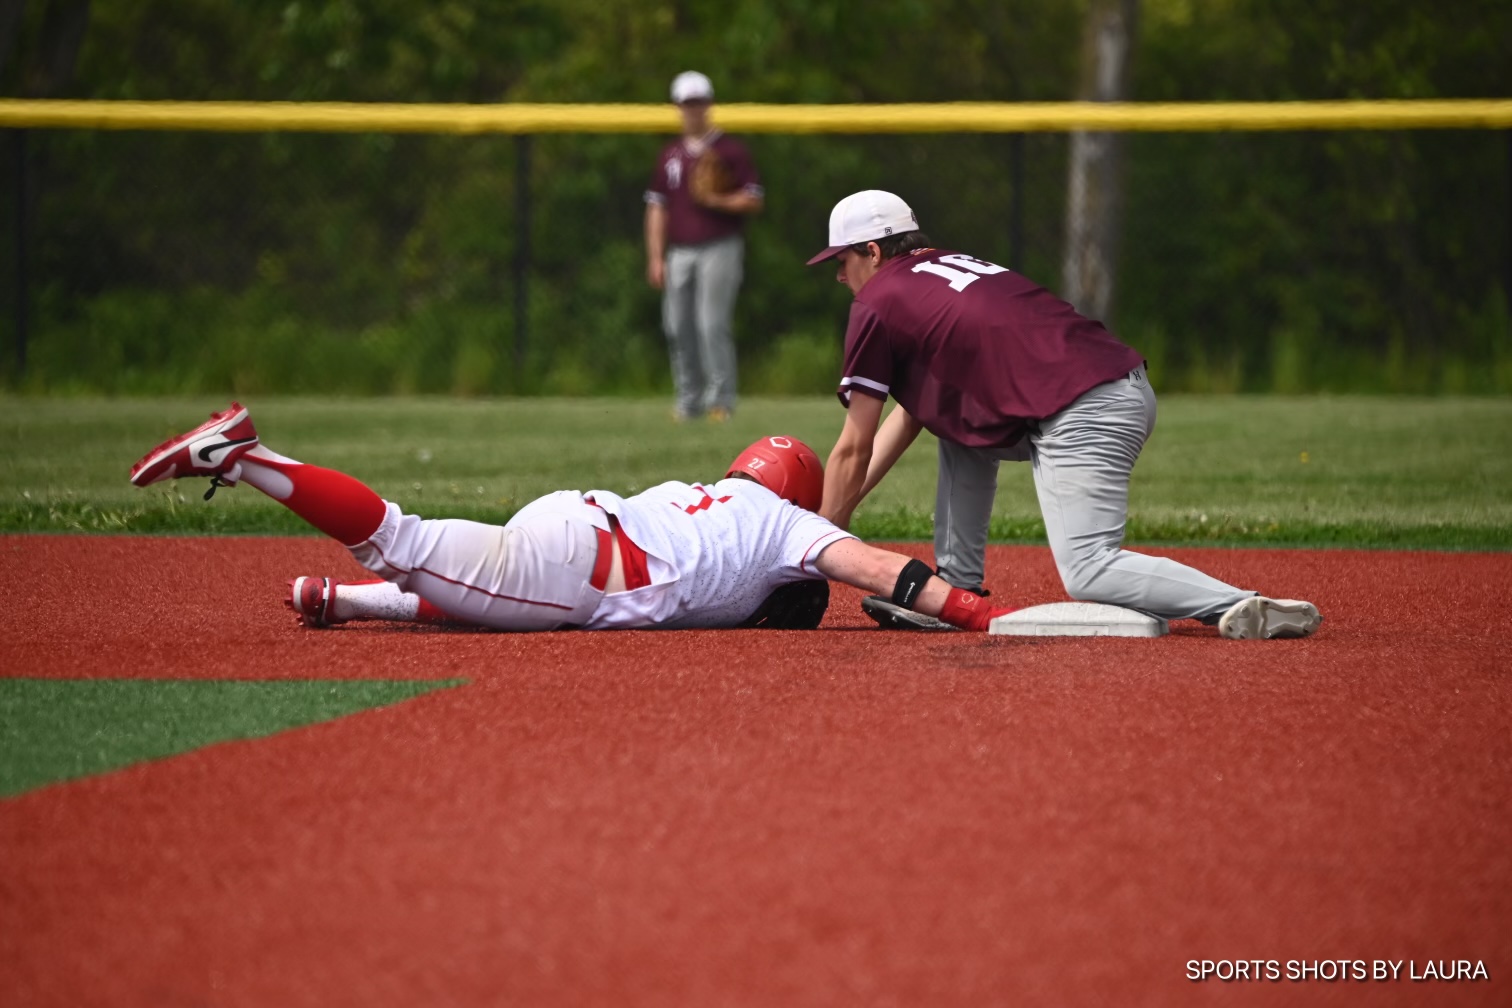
[(1083, 457), (698, 305)]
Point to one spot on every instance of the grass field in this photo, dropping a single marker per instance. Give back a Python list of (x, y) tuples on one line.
[(1355, 471)]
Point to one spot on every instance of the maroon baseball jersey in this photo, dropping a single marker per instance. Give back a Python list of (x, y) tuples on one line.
[(687, 222), (972, 350)]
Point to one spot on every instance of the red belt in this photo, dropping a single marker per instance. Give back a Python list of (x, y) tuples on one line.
[(603, 562), (632, 557)]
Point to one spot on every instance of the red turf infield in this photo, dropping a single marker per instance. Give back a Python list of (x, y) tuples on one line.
[(754, 818)]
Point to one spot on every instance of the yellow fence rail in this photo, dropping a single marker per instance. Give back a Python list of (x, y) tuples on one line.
[(950, 117)]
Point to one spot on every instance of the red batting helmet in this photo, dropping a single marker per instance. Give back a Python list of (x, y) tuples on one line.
[(787, 467)]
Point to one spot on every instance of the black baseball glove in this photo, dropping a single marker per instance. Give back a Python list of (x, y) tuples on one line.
[(796, 606)]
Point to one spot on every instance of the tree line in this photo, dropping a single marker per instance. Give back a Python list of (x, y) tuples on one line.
[(161, 262)]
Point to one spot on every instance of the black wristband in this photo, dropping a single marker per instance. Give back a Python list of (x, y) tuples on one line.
[(911, 581)]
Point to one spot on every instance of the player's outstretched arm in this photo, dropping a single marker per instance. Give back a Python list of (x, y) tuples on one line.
[(875, 571), (906, 582)]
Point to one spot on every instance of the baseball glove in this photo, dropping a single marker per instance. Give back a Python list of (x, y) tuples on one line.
[(895, 617), (711, 178), (796, 606)]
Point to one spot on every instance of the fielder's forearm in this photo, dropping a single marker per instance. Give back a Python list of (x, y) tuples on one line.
[(740, 202), (844, 478), (845, 473), (656, 232), (897, 433)]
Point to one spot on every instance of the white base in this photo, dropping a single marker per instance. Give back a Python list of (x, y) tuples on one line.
[(1079, 619)]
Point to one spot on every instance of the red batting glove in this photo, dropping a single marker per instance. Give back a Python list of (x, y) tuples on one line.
[(970, 611)]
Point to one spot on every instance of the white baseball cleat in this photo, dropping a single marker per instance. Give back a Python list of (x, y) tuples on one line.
[(1261, 618)]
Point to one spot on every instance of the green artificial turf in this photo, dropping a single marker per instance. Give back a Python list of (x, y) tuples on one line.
[(59, 729), (1431, 473)]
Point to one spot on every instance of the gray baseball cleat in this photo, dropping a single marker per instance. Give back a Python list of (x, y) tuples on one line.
[(1261, 618), (895, 617)]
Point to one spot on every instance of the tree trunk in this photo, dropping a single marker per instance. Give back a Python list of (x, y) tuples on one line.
[(10, 32), (1095, 177), (63, 26), (44, 72)]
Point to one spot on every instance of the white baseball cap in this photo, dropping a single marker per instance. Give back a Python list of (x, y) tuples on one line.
[(865, 216), (690, 85)]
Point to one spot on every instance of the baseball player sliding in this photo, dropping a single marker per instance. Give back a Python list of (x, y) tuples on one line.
[(999, 369), (677, 555)]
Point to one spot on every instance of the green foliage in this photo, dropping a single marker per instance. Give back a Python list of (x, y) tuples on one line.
[(380, 263), (797, 363), (1347, 261)]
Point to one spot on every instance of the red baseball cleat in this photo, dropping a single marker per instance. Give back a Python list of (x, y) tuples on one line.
[(211, 449), (311, 598)]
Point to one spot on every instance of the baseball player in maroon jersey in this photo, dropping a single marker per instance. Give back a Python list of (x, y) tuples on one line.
[(695, 250), (998, 368), (677, 555)]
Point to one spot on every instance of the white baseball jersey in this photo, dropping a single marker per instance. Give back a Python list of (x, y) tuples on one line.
[(714, 553)]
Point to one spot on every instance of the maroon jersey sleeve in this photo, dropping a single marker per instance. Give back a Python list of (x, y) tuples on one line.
[(868, 364)]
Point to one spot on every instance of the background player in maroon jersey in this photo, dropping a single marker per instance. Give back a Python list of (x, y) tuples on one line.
[(695, 251), (998, 368)]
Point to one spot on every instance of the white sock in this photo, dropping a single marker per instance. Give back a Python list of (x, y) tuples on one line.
[(380, 601), (270, 481), (262, 451)]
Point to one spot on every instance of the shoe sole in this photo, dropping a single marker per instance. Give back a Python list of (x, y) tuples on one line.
[(1262, 618), (155, 466), (894, 617), (310, 598)]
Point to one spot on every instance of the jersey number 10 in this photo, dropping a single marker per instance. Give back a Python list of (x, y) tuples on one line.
[(960, 279)]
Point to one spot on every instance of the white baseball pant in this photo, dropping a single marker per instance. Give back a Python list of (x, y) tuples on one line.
[(533, 573), (698, 305)]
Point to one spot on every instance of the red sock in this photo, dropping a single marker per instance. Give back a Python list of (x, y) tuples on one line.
[(430, 614), (969, 611), (341, 506)]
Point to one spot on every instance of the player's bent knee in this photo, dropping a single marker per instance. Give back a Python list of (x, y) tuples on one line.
[(1082, 581)]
